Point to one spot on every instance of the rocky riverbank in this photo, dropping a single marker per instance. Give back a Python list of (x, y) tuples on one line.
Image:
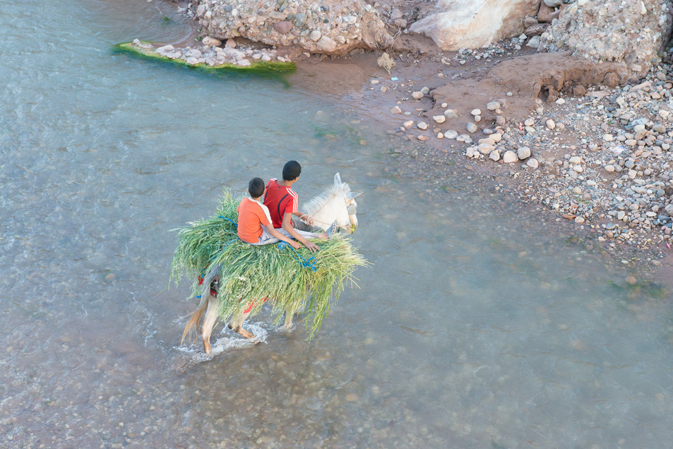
[(585, 133), (601, 158)]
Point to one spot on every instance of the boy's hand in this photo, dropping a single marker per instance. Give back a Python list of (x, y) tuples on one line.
[(295, 245), (307, 219), (311, 246)]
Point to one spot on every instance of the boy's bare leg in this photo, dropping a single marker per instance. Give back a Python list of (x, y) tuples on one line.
[(305, 234)]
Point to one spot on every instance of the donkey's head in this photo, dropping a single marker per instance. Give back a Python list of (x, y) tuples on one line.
[(336, 204)]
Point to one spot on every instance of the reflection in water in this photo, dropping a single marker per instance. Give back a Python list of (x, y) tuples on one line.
[(475, 326)]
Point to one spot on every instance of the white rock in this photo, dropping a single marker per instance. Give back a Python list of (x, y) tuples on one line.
[(440, 135), (469, 152), (509, 157), (488, 141), (211, 42), (575, 160), (476, 112), (396, 110), (609, 168), (422, 126), (532, 163), (493, 105), (451, 134), (550, 124), (477, 118), (497, 137), (534, 42), (529, 122), (591, 183), (315, 35), (409, 124), (560, 101), (439, 118), (473, 23), (471, 127), (374, 82), (450, 113), (578, 168), (495, 155), (577, 191), (485, 148), (326, 44), (165, 49), (608, 137), (579, 220), (523, 153)]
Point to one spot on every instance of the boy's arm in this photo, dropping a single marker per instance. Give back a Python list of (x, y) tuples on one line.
[(306, 217), (287, 225), (280, 236)]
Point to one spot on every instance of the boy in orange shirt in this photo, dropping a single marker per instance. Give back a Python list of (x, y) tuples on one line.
[(254, 221)]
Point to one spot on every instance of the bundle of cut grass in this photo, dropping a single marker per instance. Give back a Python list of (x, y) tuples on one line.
[(252, 273)]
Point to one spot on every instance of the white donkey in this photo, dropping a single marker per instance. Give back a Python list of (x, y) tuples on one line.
[(335, 204)]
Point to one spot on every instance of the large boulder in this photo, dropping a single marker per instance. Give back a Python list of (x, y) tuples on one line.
[(628, 31), (474, 23), (331, 27)]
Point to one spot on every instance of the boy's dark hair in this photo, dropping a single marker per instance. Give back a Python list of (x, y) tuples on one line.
[(256, 187), (291, 171)]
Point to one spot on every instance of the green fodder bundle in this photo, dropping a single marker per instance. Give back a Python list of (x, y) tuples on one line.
[(251, 273)]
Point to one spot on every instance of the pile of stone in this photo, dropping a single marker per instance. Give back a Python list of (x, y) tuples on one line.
[(328, 27), (493, 146), (605, 159), (212, 54), (630, 31)]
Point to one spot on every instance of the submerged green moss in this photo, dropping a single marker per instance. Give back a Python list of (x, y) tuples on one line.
[(275, 69)]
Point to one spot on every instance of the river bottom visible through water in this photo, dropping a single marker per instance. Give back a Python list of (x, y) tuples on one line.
[(474, 327)]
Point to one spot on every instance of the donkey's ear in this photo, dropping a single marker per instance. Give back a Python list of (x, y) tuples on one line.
[(337, 179), (351, 195)]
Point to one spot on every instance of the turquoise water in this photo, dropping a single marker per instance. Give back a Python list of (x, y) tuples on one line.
[(476, 325)]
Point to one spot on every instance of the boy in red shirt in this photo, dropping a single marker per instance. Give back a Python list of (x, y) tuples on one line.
[(282, 203)]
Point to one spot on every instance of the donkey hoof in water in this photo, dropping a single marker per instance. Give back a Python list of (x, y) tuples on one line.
[(249, 335), (206, 346)]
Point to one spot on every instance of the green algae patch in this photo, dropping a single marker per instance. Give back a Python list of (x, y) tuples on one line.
[(266, 69)]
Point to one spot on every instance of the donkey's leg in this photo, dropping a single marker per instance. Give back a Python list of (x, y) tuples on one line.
[(236, 325), (288, 320), (209, 322)]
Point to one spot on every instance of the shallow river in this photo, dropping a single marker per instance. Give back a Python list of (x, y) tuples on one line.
[(474, 327)]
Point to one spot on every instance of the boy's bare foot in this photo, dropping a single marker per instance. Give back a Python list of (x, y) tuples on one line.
[(331, 230)]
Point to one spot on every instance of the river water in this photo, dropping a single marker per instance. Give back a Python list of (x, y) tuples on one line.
[(475, 326)]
